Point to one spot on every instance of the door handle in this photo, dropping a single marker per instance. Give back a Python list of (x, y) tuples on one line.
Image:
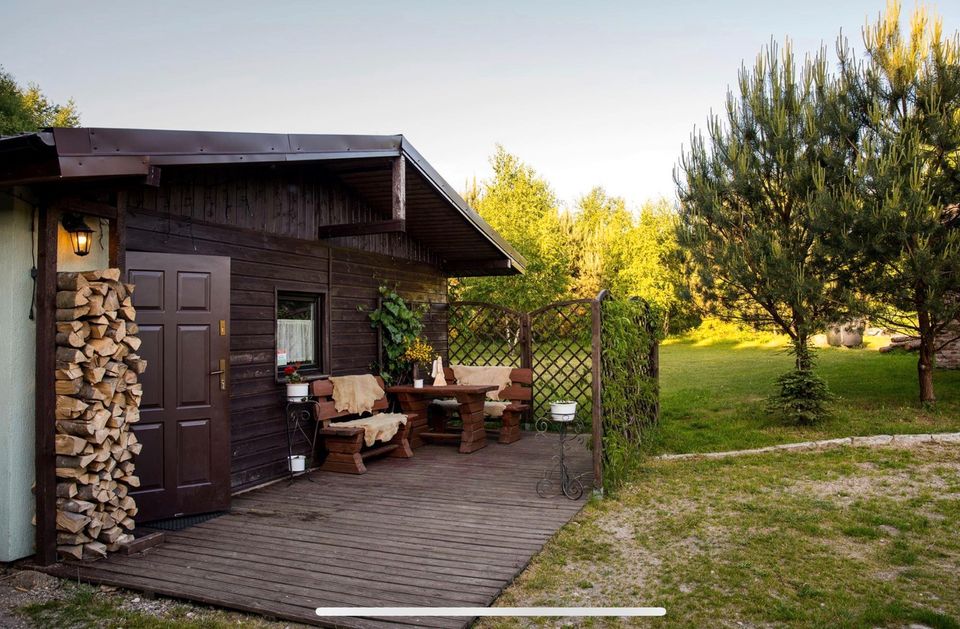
[(222, 372)]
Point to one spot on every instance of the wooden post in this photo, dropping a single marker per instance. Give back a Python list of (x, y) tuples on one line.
[(45, 399), (118, 235), (526, 362), (399, 189), (655, 374), (596, 359)]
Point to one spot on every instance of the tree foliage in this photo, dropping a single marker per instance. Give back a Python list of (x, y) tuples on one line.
[(522, 207), (896, 224), (24, 109), (749, 194), (598, 244)]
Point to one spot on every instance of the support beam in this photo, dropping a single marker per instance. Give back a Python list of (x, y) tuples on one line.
[(45, 428), (477, 267), (399, 204), (118, 235), (361, 229)]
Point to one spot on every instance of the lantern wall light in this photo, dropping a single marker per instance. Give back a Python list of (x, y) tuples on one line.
[(80, 233)]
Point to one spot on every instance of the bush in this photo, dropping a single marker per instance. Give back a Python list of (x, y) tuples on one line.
[(801, 398)]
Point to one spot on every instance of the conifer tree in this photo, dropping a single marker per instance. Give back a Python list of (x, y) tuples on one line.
[(897, 223), (748, 196)]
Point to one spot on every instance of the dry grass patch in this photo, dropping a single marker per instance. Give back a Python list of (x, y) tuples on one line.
[(853, 537)]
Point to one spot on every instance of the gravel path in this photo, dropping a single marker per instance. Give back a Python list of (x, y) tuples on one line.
[(874, 440)]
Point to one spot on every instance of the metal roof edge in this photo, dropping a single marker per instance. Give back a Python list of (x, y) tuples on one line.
[(440, 184)]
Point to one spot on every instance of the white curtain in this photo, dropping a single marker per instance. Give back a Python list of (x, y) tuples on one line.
[(296, 337)]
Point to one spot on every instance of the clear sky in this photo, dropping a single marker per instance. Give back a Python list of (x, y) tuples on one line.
[(589, 93)]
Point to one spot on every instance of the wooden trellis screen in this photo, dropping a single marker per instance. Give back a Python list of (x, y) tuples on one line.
[(559, 342)]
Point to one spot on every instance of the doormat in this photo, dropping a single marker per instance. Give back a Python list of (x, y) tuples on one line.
[(181, 523)]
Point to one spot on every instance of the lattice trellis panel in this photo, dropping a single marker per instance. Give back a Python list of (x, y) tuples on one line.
[(561, 338), (484, 334)]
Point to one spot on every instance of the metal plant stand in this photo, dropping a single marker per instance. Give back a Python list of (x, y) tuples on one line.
[(299, 418), (558, 479)]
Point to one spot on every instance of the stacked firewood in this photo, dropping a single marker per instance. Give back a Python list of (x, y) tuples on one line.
[(98, 398)]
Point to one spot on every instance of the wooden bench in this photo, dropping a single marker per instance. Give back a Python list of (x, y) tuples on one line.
[(346, 450), (518, 394)]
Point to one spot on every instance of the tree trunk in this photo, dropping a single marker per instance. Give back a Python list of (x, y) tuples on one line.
[(925, 362), (801, 346)]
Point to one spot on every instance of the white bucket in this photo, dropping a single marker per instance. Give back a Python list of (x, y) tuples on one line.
[(298, 391), (298, 463), (563, 411)]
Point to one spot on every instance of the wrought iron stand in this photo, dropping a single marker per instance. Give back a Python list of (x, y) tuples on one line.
[(558, 479), (299, 416)]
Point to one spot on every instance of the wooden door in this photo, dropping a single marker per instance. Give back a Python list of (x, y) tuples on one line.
[(183, 311)]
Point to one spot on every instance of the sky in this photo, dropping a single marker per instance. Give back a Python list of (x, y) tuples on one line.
[(589, 93)]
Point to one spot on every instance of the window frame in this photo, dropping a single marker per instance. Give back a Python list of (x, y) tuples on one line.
[(320, 299)]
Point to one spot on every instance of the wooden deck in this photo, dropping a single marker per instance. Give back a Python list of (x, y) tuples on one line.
[(440, 529)]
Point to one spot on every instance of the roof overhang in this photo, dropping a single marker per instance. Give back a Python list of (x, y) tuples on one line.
[(437, 216)]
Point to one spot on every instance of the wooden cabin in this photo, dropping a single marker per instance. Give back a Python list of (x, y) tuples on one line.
[(222, 234)]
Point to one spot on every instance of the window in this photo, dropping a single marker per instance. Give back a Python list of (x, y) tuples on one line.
[(300, 333)]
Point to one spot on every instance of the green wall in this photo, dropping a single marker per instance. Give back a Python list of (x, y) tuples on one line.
[(17, 357)]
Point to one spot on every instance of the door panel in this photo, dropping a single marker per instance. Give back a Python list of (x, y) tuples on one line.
[(185, 462)]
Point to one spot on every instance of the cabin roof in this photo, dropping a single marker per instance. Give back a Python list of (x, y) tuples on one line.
[(436, 215)]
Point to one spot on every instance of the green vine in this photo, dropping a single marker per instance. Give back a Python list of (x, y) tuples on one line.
[(400, 325), (631, 331)]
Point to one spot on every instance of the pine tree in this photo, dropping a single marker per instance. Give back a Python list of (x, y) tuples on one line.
[(748, 197), (896, 222)]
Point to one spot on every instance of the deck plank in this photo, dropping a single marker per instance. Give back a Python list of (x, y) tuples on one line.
[(442, 528)]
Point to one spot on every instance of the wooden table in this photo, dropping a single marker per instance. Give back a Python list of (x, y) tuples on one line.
[(471, 399)]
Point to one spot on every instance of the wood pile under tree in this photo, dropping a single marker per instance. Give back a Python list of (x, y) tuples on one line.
[(98, 398)]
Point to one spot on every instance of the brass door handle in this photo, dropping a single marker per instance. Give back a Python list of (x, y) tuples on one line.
[(222, 371)]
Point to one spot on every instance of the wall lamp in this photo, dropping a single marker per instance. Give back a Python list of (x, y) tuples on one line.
[(80, 233)]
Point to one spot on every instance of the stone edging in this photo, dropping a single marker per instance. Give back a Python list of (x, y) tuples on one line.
[(875, 440)]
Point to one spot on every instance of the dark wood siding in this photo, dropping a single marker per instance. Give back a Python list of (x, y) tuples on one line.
[(289, 200), (266, 256)]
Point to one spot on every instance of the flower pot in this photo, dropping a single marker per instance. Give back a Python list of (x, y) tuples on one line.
[(298, 391), (298, 463), (563, 411)]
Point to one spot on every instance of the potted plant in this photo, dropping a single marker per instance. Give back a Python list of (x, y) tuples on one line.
[(418, 354), (563, 410), (297, 389)]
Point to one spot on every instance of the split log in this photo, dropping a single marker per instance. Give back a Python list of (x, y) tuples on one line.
[(70, 355), (71, 281), (105, 346), (66, 490), (72, 539), (72, 314), (70, 372), (69, 407), (103, 274), (71, 522), (73, 298), (71, 550), (68, 387), (69, 445), (73, 338)]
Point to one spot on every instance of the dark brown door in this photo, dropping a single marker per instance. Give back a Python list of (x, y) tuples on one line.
[(183, 311)]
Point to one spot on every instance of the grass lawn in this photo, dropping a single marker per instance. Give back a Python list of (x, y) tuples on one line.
[(713, 394), (851, 537)]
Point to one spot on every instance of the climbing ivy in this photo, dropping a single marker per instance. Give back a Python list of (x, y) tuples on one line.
[(400, 325), (630, 333)]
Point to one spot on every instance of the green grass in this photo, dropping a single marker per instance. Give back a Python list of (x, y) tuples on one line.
[(714, 391), (851, 537), (78, 606)]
